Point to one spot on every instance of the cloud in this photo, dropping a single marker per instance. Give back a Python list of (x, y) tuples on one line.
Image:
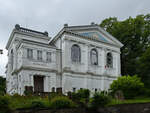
[(50, 15)]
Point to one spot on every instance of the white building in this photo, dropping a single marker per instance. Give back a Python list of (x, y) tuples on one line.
[(77, 57)]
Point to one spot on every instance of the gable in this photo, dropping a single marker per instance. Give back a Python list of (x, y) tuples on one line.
[(97, 36), (92, 32)]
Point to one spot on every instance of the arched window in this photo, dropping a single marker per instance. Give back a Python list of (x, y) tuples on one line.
[(75, 53), (94, 57), (109, 60)]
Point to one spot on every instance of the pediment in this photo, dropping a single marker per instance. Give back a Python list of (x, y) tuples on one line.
[(95, 33), (97, 36)]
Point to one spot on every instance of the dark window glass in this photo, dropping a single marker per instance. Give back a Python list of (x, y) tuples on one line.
[(94, 57), (75, 53), (48, 56), (109, 60), (74, 89), (39, 55), (95, 90), (29, 53)]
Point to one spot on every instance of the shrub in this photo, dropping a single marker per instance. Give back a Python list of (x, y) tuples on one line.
[(81, 97), (100, 99), (37, 104), (131, 86), (4, 104), (146, 92), (61, 102), (81, 94), (16, 96), (53, 95)]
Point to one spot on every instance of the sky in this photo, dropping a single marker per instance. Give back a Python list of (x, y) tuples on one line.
[(51, 15)]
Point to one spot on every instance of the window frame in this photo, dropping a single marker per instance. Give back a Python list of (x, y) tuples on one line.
[(92, 55), (75, 49), (30, 53), (39, 55), (48, 56), (109, 60)]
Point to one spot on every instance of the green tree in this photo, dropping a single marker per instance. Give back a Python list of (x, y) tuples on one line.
[(131, 86), (144, 67), (134, 34)]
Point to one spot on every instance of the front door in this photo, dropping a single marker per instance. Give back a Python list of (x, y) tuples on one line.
[(38, 84)]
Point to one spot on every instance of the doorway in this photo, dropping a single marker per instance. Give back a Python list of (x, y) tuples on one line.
[(38, 84)]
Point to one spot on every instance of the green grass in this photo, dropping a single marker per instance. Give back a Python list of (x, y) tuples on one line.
[(23, 102), (129, 101), (19, 102)]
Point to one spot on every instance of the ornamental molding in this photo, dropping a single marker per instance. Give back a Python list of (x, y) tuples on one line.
[(87, 73), (34, 69)]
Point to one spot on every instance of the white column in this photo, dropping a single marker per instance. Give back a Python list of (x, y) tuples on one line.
[(103, 60), (119, 64)]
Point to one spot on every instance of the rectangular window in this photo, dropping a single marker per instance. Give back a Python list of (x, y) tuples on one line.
[(48, 57), (39, 55), (74, 89), (95, 90), (30, 53)]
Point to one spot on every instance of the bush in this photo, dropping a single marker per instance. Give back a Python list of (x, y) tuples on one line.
[(131, 86), (81, 97), (100, 99), (61, 102), (37, 104), (53, 95), (81, 94), (146, 92), (4, 104)]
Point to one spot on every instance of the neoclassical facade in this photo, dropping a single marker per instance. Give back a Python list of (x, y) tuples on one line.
[(77, 57)]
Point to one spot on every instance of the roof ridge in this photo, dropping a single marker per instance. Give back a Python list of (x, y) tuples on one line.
[(17, 27)]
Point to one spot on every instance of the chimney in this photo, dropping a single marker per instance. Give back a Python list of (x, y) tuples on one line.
[(66, 25)]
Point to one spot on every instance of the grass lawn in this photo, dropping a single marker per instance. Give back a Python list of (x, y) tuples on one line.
[(17, 102), (130, 101)]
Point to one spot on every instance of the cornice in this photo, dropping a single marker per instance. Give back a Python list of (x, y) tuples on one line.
[(73, 29), (78, 41), (87, 73), (35, 68), (38, 43)]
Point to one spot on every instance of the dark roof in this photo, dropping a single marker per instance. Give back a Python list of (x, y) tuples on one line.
[(26, 30)]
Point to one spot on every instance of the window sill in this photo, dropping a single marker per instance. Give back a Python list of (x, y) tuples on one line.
[(95, 66), (110, 68), (76, 63)]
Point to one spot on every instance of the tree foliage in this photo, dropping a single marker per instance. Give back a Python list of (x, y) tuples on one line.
[(134, 33), (100, 99), (144, 66), (131, 86)]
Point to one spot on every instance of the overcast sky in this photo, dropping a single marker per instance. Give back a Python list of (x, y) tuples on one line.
[(51, 15)]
